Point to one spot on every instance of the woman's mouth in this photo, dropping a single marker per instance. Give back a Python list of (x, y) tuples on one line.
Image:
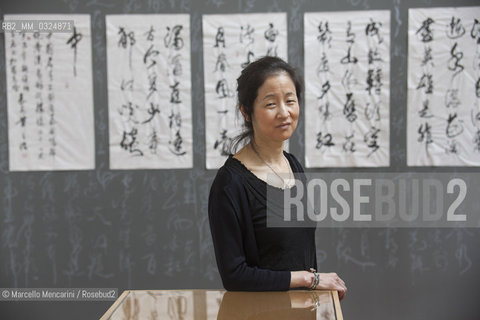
[(284, 125)]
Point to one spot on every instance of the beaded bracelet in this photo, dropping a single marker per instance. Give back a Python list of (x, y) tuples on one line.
[(316, 279)]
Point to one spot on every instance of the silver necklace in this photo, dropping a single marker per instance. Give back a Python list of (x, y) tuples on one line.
[(279, 176)]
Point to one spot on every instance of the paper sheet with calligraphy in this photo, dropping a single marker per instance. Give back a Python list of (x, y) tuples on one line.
[(443, 126), (347, 89), (50, 96), (231, 42), (149, 91)]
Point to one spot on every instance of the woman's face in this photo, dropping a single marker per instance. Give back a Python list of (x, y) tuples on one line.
[(275, 110)]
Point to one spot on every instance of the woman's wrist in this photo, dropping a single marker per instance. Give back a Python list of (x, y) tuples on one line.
[(301, 279)]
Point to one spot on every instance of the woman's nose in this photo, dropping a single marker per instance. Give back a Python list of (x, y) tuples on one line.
[(282, 110)]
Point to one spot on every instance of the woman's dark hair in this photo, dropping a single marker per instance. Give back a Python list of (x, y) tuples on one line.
[(250, 80)]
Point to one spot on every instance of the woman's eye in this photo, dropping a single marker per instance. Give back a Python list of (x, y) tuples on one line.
[(271, 104), (291, 101)]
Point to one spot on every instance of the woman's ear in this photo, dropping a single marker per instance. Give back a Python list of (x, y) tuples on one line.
[(244, 114)]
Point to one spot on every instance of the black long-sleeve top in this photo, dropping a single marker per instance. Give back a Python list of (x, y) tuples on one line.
[(250, 256)]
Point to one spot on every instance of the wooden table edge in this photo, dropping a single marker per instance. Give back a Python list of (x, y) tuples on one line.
[(336, 303), (114, 306)]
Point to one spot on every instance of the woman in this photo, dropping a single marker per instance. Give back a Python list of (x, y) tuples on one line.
[(250, 256)]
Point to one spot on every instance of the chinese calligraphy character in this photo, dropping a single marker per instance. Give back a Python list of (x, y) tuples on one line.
[(172, 39), (454, 126), (475, 32), (323, 108), (220, 38), (426, 82), (373, 29), (349, 108), (271, 33), (454, 61), (250, 57), (425, 134), (374, 56), (224, 143), (455, 29), (425, 111), (477, 88), (221, 62), (348, 80), (425, 33), (349, 58), (324, 140), (73, 42), (149, 56), (325, 35), (374, 80), (125, 37), (152, 111), (126, 85), (129, 142), (222, 89), (247, 33), (372, 110), (325, 89), (149, 34), (350, 34), (175, 95), (370, 139), (476, 141), (175, 65), (452, 147), (427, 56), (349, 145), (323, 66), (451, 98)]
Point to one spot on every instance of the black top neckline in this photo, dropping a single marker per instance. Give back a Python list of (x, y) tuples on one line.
[(251, 175)]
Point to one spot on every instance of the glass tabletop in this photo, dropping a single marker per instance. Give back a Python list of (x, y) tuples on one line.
[(220, 304)]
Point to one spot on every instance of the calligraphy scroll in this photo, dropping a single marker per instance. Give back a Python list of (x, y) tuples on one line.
[(149, 91), (443, 126), (230, 43), (49, 96), (347, 89)]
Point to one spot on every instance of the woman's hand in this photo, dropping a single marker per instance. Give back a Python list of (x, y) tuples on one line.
[(328, 281), (331, 281)]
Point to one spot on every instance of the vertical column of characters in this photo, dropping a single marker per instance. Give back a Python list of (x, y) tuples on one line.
[(425, 83), (270, 35), (152, 99), (128, 109), (13, 64), (454, 127), (174, 44), (22, 98), (374, 85), (475, 35), (223, 93), (52, 140), (349, 61), (73, 42), (38, 89), (247, 42), (324, 139)]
